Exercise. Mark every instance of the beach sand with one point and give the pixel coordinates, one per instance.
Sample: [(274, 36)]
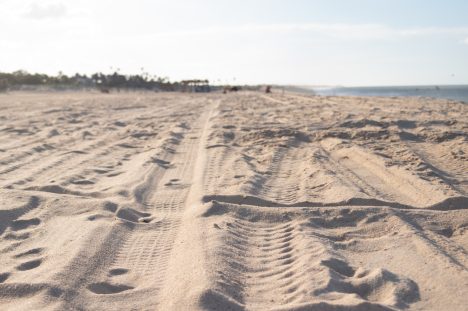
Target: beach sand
[(247, 201)]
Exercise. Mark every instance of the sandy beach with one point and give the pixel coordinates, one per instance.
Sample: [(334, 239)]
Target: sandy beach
[(245, 201)]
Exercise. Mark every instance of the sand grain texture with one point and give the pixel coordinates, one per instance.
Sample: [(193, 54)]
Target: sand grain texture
[(140, 201)]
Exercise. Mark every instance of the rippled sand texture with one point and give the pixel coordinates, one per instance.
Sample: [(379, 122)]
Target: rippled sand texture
[(141, 201)]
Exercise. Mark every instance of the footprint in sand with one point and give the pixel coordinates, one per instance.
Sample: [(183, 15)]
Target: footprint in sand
[(29, 265), (23, 224), (82, 182), (33, 251), (4, 277), (117, 271), (104, 288), (16, 236), (132, 215)]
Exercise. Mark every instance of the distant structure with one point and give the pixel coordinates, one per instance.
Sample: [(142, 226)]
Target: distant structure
[(195, 86), (234, 88), (268, 89), (3, 85)]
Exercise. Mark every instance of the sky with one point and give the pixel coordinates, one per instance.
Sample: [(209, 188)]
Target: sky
[(314, 42)]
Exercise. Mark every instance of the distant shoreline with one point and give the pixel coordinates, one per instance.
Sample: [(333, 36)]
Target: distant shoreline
[(452, 92)]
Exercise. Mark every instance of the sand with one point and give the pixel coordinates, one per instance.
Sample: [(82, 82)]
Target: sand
[(247, 201)]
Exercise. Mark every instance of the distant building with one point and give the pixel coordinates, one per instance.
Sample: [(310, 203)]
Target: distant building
[(195, 86)]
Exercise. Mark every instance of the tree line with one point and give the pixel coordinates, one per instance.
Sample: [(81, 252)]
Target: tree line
[(105, 82)]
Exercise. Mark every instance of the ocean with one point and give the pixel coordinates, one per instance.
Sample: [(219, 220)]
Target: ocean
[(455, 92)]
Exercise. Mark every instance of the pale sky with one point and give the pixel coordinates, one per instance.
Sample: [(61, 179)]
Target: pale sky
[(315, 42)]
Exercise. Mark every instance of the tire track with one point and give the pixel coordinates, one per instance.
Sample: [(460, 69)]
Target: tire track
[(381, 182), (144, 256), (269, 260)]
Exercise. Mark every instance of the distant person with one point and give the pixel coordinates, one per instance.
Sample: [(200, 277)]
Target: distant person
[(268, 89)]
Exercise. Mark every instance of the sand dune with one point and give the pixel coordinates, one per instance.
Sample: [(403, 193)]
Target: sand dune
[(139, 201)]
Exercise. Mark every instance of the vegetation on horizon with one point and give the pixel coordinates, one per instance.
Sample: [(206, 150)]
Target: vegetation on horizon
[(22, 79)]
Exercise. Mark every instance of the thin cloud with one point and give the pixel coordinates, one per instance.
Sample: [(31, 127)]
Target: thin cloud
[(428, 31), (49, 11), (345, 31)]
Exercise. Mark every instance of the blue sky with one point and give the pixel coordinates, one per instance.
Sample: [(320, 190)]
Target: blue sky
[(332, 42)]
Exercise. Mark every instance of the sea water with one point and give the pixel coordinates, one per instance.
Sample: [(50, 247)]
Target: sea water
[(455, 92)]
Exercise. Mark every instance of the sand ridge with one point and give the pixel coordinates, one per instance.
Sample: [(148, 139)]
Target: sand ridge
[(232, 202)]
